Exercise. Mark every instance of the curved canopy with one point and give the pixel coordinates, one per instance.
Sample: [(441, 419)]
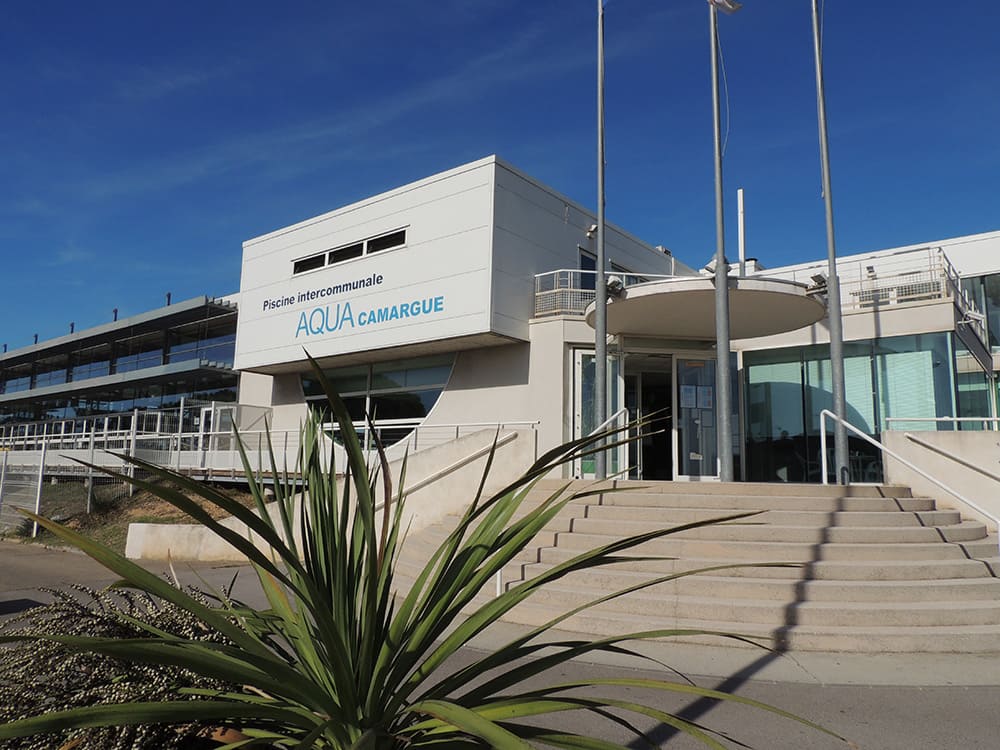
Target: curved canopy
[(684, 308)]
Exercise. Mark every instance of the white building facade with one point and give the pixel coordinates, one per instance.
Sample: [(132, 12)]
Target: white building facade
[(459, 300)]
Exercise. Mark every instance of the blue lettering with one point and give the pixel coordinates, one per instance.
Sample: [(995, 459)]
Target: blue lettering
[(347, 316), (335, 320), (302, 325), (316, 325), (439, 303)]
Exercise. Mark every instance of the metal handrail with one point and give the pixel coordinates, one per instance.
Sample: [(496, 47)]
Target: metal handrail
[(962, 498)]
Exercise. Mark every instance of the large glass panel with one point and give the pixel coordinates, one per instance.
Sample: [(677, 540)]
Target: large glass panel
[(412, 373), (973, 388), (697, 446), (775, 425), (585, 423), (139, 353), (914, 379), (344, 380), (991, 293)]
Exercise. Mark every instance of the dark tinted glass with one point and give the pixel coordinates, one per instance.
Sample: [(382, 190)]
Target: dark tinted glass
[(387, 241), (309, 264)]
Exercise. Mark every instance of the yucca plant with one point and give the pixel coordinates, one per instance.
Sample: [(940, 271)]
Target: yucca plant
[(343, 659)]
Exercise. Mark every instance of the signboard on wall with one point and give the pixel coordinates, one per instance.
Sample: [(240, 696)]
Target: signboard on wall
[(405, 296)]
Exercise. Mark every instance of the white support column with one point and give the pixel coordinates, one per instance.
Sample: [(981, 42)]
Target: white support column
[(90, 471), (3, 476), (38, 490), (131, 450)]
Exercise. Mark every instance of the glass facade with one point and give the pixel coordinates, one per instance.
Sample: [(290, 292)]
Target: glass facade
[(404, 389), (919, 376), (985, 291), (206, 334)]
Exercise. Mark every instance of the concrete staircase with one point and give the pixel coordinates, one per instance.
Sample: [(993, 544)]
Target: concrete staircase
[(874, 569)]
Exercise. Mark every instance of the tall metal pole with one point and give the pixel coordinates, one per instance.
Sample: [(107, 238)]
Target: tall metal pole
[(600, 283), (723, 405), (833, 281), (742, 232)]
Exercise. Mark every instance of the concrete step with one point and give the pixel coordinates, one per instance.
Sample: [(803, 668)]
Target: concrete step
[(819, 519), (741, 503), (753, 531), (741, 489), (980, 549), (653, 603), (786, 590), (845, 570), (676, 546), (904, 639)]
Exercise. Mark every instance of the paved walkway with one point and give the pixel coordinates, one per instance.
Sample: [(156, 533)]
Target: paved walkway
[(881, 702)]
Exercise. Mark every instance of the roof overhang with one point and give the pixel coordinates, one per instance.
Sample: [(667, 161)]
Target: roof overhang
[(684, 308)]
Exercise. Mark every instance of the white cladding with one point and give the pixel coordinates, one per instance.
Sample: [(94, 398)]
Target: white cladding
[(475, 238), (435, 286)]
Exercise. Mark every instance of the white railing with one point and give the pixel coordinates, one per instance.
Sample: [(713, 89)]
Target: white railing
[(217, 451), (878, 281), (569, 291), (872, 441)]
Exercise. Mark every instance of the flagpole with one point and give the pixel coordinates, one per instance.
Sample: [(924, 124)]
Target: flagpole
[(840, 445), (600, 283), (723, 381)]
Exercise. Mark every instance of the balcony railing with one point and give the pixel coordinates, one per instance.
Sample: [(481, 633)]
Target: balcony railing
[(569, 291)]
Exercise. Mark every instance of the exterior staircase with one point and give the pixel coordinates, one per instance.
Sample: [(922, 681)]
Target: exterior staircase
[(873, 569)]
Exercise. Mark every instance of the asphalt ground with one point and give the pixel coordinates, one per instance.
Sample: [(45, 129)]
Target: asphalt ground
[(879, 702)]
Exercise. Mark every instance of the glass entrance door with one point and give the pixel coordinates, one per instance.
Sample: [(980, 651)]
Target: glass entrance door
[(583, 410), (649, 398), (695, 424)]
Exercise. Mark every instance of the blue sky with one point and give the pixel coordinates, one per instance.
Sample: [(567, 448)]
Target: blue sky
[(142, 143)]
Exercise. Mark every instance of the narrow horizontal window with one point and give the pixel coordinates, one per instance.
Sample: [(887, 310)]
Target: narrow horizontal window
[(309, 264), (387, 241), (347, 253)]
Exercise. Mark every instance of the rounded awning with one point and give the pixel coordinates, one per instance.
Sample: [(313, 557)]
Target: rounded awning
[(684, 308)]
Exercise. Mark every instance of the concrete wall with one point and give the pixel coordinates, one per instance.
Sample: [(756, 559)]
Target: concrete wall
[(451, 492), (974, 255), (537, 230), (447, 219), (980, 449), (896, 320)]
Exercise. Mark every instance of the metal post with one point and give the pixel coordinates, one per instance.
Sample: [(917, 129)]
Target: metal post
[(600, 283), (3, 476), (131, 452), (180, 434), (742, 233), (723, 404), (38, 491), (833, 280), (90, 470)]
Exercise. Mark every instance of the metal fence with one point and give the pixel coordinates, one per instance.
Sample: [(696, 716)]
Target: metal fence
[(45, 484)]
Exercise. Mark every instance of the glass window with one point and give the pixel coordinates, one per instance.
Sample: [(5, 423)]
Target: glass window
[(991, 294), (309, 264), (412, 373), (347, 253), (399, 389), (914, 379), (387, 241)]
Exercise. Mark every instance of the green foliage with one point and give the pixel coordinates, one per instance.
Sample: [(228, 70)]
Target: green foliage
[(340, 658)]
